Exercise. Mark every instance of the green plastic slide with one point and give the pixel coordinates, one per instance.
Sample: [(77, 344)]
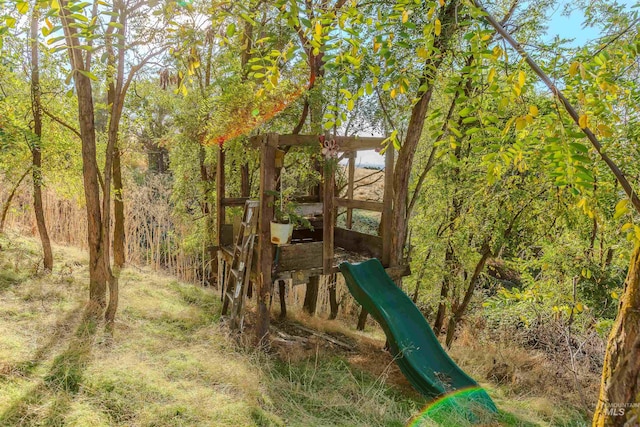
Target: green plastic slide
[(415, 347)]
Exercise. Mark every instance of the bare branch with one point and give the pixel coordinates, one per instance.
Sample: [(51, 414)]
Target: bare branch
[(61, 122)]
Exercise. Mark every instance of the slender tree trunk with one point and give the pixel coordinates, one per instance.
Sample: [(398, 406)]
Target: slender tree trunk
[(620, 386), (36, 152), (449, 257), (458, 311), (98, 271), (333, 298), (283, 300), (362, 319), (119, 257), (7, 203), (423, 269), (414, 132), (311, 295)]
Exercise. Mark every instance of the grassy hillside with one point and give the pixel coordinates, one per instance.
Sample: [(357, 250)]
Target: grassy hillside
[(172, 363)]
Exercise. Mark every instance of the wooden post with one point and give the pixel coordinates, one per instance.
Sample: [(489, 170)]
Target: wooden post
[(220, 214), (311, 295), (265, 248), (328, 219), (387, 210), (351, 178)]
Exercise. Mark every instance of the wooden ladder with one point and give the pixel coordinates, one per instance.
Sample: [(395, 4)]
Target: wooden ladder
[(237, 280)]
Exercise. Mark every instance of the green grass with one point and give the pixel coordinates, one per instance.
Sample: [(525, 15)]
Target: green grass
[(171, 363)]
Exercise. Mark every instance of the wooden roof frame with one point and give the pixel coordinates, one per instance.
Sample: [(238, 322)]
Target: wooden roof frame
[(345, 143)]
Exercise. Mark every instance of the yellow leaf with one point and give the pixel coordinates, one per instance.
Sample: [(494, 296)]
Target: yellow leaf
[(579, 307), (583, 72), (23, 7), (621, 208), (573, 69), (438, 27), (533, 110), (614, 295), (626, 227), (497, 52), (441, 2), (604, 130), (521, 122), (517, 89), (376, 47), (430, 13), (350, 105), (393, 93), (522, 77), (48, 23), (55, 5), (492, 74), (318, 29), (405, 16), (583, 121)]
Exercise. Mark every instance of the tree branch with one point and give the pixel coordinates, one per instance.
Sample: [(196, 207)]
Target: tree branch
[(61, 122)]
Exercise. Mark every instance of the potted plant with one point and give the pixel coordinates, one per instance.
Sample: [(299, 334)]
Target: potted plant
[(286, 217)]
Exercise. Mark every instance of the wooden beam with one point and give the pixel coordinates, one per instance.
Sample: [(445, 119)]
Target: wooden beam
[(345, 143), (265, 248), (350, 185), (387, 201), (328, 217), (310, 209), (367, 205), (354, 241), (300, 256), (234, 201), (220, 217)]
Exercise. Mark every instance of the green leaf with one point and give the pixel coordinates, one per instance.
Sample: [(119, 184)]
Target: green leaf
[(231, 29), (88, 74), (579, 147)]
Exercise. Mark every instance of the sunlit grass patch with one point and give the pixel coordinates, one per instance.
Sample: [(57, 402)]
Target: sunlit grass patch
[(329, 392)]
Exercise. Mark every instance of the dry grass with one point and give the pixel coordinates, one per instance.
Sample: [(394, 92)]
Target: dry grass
[(171, 362), (168, 363)]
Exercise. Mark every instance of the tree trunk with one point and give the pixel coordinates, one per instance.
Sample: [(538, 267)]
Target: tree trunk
[(283, 299), (414, 132), (444, 291), (245, 189), (36, 152), (620, 387), (458, 311), (7, 203), (333, 298), (311, 296), (118, 213), (98, 272), (362, 319)]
